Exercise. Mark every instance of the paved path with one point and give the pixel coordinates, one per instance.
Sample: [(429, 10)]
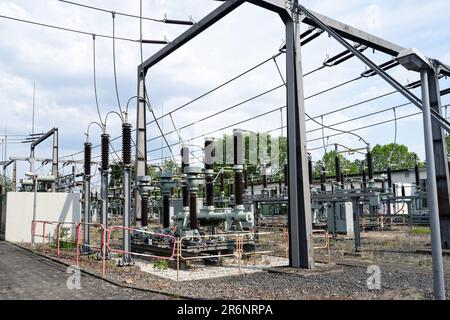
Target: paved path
[(25, 276)]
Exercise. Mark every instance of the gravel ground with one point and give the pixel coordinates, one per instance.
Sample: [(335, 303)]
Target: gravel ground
[(347, 282), (404, 275)]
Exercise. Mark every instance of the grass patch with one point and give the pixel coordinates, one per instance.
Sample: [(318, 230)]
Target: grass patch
[(418, 231)]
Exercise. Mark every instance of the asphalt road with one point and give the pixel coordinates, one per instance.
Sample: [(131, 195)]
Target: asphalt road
[(25, 276)]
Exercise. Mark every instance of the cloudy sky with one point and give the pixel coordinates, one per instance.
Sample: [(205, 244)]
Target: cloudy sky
[(61, 65)]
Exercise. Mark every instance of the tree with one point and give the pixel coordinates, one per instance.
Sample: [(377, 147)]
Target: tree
[(5, 181), (328, 161), (395, 156)]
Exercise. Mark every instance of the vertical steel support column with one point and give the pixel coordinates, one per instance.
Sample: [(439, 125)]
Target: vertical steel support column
[(440, 161), (32, 159), (55, 158), (300, 226), (35, 186), (126, 149), (141, 144), (389, 177), (14, 179), (432, 194), (356, 226)]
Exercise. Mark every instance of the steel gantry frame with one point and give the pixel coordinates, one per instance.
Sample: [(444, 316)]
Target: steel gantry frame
[(53, 132), (292, 14)]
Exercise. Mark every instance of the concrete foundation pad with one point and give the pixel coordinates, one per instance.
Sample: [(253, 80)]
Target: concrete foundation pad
[(199, 271)]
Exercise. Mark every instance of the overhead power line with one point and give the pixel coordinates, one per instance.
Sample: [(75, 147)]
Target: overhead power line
[(164, 20), (80, 31)]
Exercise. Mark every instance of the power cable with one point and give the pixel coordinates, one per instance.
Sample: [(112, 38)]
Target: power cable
[(363, 116), (220, 86), (95, 80), (223, 110), (67, 29), (165, 20), (114, 60)]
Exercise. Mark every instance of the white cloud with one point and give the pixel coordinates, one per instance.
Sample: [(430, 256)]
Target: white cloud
[(61, 65)]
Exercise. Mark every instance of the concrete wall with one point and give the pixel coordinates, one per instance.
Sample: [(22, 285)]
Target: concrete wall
[(61, 207)]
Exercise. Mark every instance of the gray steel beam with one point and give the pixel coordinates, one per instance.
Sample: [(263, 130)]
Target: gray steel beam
[(432, 192), (445, 124), (440, 160), (356, 35), (191, 33), (43, 138), (141, 145), (301, 253), (55, 157), (344, 30), (279, 6)]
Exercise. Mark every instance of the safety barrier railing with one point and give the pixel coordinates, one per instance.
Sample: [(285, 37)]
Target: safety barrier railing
[(34, 223), (238, 239), (108, 247), (58, 235), (326, 244), (100, 248)]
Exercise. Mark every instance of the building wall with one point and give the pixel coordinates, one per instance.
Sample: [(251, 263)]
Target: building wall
[(61, 207)]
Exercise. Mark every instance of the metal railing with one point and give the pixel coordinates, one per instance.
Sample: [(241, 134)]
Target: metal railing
[(34, 223)]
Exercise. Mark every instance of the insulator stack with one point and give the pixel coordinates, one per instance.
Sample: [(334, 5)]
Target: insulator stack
[(370, 164), (193, 210), (389, 177), (144, 204), (126, 144), (87, 158), (342, 180), (105, 152), (239, 189), (166, 211), (337, 162), (185, 164), (239, 166), (222, 182), (209, 154), (323, 180), (364, 179), (417, 172)]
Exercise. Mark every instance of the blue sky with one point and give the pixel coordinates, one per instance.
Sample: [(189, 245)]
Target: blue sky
[(61, 65)]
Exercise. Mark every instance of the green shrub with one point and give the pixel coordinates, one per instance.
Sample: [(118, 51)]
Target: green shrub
[(161, 265)]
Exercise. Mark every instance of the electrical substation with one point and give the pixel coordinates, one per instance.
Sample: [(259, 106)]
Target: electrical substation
[(246, 204)]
